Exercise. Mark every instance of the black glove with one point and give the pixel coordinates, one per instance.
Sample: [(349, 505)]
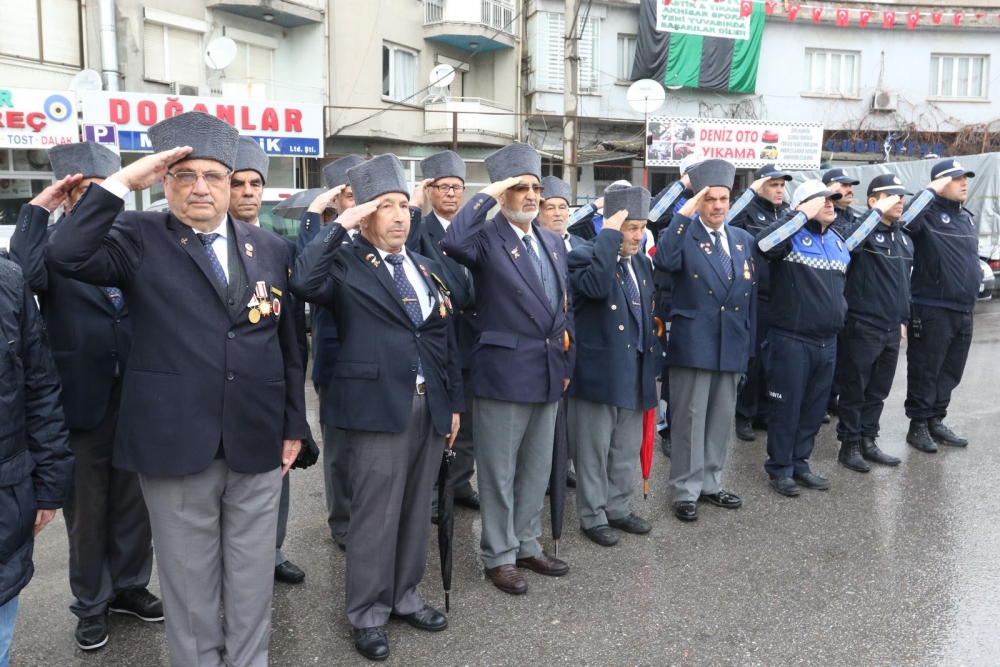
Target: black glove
[(308, 454)]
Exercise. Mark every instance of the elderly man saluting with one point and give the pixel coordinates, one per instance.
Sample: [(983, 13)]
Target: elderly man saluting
[(213, 406)]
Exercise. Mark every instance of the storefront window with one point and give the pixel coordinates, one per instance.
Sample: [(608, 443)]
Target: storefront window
[(23, 174)]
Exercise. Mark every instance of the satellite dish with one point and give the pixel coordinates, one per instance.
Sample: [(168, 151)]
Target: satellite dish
[(87, 79), (646, 95), (221, 53), (442, 76)]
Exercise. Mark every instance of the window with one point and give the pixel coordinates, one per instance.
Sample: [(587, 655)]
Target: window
[(44, 30), (252, 65), (172, 54), (399, 73), (547, 54), (958, 76), (626, 56), (832, 72)]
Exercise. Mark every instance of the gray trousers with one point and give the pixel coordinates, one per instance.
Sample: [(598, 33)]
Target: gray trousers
[(336, 479), (464, 464), (286, 492), (212, 532), (608, 440), (110, 541), (392, 475), (702, 406), (514, 457)]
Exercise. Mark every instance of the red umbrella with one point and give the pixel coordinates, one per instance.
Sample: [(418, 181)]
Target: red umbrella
[(646, 453)]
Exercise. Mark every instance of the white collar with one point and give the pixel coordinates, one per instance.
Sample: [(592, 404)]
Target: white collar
[(385, 253), (721, 230), (223, 229)]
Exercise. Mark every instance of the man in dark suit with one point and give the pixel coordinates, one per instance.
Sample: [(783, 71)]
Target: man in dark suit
[(326, 348), (246, 192), (398, 397), (213, 409), (444, 183), (111, 545), (614, 381), (521, 363), (711, 335)]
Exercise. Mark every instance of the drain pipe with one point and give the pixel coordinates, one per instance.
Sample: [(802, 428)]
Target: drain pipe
[(109, 45)]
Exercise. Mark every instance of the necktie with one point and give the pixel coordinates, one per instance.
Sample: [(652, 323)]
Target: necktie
[(530, 247), (634, 300), (207, 240), (410, 301), (727, 261), (115, 295), (544, 272)]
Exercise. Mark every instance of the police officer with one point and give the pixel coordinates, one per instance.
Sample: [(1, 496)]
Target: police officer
[(943, 290), (766, 207), (878, 307), (809, 262)]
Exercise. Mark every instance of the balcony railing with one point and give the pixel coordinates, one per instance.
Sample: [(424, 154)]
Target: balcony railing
[(499, 16), (495, 14), (475, 115)]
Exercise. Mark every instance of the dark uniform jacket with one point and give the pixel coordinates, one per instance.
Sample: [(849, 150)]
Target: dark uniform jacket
[(845, 221), (326, 344), (758, 215), (878, 279)]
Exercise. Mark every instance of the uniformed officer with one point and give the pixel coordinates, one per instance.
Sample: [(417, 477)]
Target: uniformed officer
[(213, 408), (766, 207), (398, 394), (110, 541), (711, 335), (553, 214), (246, 192), (444, 183), (326, 349), (586, 221), (522, 361), (878, 307), (943, 290), (614, 380), (809, 262)]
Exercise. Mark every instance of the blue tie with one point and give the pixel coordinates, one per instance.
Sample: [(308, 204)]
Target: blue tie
[(207, 240), (410, 301), (727, 262), (115, 295), (635, 301)]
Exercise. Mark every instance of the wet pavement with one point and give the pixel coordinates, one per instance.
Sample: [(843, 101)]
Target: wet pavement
[(895, 567)]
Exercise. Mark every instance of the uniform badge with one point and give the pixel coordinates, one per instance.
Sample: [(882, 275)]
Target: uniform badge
[(249, 249), (879, 238), (276, 291), (739, 247), (516, 253), (746, 270), (260, 290), (275, 308), (807, 240), (555, 255), (265, 308), (945, 218), (371, 258), (254, 316), (423, 270), (184, 241), (760, 216)]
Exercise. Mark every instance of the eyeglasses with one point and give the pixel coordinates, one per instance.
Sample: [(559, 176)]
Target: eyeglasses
[(522, 188), (212, 178), (445, 189)]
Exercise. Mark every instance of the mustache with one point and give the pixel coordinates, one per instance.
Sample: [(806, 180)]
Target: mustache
[(199, 199)]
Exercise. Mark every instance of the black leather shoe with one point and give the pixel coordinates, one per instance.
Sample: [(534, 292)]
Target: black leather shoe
[(919, 437), (786, 486), (570, 479), (850, 457), (340, 539), (601, 535), (434, 514), (871, 452), (92, 632), (826, 418), (759, 424), (631, 524), (428, 618), (371, 643), (940, 432), (289, 573), (744, 429), (686, 510), (722, 499), (472, 502), (665, 443), (138, 602), (813, 481)]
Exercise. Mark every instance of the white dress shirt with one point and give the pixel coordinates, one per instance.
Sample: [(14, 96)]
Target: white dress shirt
[(722, 231), (445, 222), (566, 242), (531, 232), (424, 297)]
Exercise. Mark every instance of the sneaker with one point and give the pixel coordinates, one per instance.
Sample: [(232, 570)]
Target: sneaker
[(92, 632), (138, 602)]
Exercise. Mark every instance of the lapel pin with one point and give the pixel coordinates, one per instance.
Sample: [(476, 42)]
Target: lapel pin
[(516, 253), (184, 241), (739, 247)]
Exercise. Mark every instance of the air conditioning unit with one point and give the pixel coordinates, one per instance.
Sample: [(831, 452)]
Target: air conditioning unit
[(885, 101), (184, 89)]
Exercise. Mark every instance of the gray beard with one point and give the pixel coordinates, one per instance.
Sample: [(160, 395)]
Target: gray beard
[(518, 218)]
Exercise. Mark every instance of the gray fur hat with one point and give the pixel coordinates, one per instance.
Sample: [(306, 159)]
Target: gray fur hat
[(556, 188), (378, 176), (88, 158), (517, 159), (712, 174), (335, 173), (209, 137), (443, 165), (635, 200), (250, 156)]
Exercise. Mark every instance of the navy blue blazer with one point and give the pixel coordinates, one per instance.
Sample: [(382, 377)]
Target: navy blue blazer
[(426, 237), (606, 354), (196, 376), (90, 340), (519, 354), (712, 318), (326, 344), (375, 375)]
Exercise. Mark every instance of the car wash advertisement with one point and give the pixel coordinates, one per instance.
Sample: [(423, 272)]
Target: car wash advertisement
[(745, 143)]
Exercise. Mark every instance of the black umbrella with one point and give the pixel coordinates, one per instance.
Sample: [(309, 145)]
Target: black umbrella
[(557, 478), (293, 207), (446, 523)]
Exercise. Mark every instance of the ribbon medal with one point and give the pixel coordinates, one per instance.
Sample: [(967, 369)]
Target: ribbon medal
[(746, 270)]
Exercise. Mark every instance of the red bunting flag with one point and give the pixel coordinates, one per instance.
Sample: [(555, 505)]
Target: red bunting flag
[(888, 19), (793, 11), (843, 18), (769, 7), (936, 18), (956, 18), (746, 8), (865, 15), (817, 12), (911, 20), (979, 16)]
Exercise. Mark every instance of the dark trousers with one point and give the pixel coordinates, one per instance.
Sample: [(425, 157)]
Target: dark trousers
[(663, 311), (464, 464), (836, 387), (799, 375), (110, 541), (751, 402), (337, 484), (867, 364), (936, 360)]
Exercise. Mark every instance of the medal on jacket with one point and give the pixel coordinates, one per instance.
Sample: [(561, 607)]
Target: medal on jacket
[(746, 270), (275, 308), (265, 308), (254, 316), (249, 249)]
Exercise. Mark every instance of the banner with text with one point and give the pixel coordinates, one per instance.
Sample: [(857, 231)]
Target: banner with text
[(745, 143), (37, 119), (711, 19)]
